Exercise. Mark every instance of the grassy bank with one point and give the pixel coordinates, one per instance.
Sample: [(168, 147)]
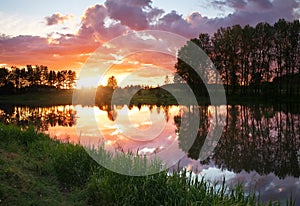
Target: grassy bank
[(36, 170)]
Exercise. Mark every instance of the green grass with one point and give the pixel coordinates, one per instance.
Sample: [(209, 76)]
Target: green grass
[(36, 170)]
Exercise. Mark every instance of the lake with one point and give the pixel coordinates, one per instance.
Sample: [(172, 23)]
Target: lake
[(259, 146)]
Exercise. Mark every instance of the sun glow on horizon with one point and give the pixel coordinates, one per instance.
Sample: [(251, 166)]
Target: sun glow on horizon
[(87, 82), (125, 79)]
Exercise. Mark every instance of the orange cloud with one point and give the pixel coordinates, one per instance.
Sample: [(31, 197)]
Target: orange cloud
[(56, 19)]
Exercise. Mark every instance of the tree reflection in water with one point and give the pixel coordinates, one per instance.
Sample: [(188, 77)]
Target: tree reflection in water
[(185, 133), (41, 118), (265, 139), (111, 111), (260, 138)]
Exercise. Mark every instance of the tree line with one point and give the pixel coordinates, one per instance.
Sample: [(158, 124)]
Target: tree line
[(32, 77), (259, 60)]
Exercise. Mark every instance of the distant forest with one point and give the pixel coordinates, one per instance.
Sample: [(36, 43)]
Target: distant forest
[(264, 59), (34, 78)]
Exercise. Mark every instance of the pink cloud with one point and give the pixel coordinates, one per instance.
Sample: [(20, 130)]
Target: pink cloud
[(56, 19), (63, 54)]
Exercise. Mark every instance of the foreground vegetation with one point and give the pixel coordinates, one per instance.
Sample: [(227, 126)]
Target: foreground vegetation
[(36, 170)]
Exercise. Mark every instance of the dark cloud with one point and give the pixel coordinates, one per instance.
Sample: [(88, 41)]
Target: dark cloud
[(237, 4), (246, 12), (218, 5), (129, 12), (258, 11), (104, 22), (56, 19), (154, 14), (138, 3), (173, 22), (262, 4), (93, 25), (135, 14), (243, 4), (190, 27)]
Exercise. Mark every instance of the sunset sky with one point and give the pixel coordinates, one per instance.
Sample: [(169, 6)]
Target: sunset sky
[(63, 34)]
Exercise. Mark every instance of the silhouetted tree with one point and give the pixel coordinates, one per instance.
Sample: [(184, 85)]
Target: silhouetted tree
[(71, 78), (52, 78), (37, 76), (112, 82), (247, 58), (3, 76), (30, 75), (188, 64), (167, 80)]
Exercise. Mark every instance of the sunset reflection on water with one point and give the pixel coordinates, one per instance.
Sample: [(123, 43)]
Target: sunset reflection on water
[(116, 135)]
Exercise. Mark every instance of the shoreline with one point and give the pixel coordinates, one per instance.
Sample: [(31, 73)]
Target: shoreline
[(65, 97)]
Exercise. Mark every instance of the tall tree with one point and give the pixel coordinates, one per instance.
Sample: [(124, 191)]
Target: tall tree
[(221, 58), (30, 75), (189, 64), (37, 75), (167, 80), (247, 47), (51, 78), (261, 55), (71, 77), (112, 82), (23, 74), (294, 37), (15, 76), (61, 79), (281, 34), (3, 76), (44, 75)]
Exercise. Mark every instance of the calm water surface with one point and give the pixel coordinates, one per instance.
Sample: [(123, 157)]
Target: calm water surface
[(259, 147)]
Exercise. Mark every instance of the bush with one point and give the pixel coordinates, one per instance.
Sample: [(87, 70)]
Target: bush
[(23, 136), (72, 165)]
